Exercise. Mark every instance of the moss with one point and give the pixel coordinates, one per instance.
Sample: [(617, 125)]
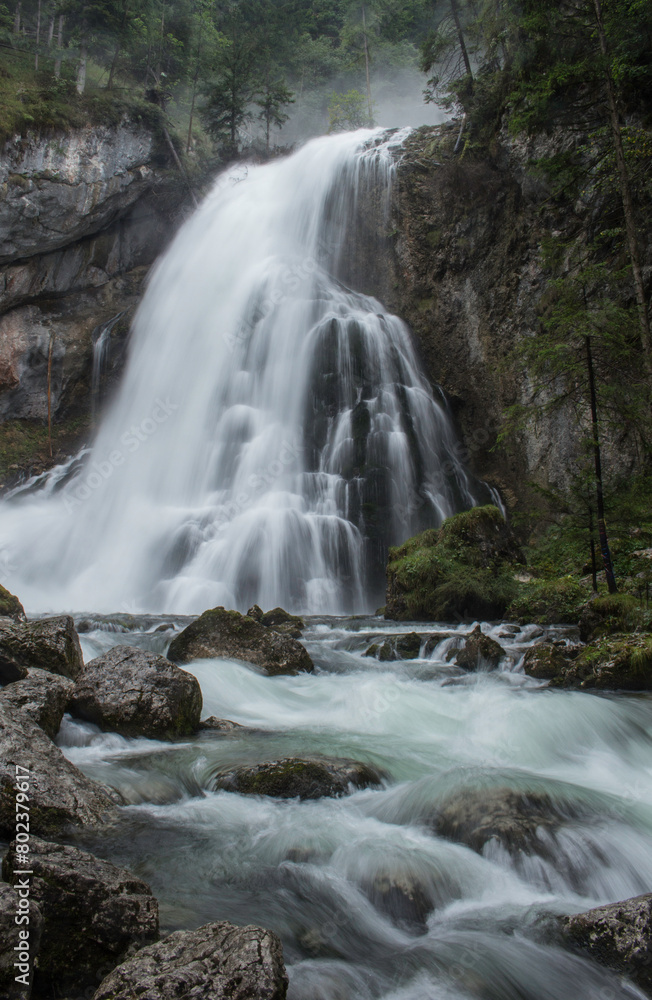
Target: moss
[(622, 662), (10, 606), (549, 602), (24, 445)]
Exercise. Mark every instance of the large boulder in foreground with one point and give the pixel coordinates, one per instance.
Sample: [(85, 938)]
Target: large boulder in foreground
[(463, 570), (215, 962), (59, 794), (303, 778), (618, 935), (94, 914), (42, 697), (230, 635), (48, 643), (137, 693), (10, 606), (12, 936)]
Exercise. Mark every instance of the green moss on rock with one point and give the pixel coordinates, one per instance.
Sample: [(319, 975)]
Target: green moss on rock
[(10, 606)]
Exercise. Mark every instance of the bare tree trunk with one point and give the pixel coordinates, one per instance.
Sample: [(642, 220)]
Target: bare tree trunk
[(19, 7), (114, 61), (460, 34), (57, 61), (38, 33), (81, 72), (366, 61), (602, 527), (50, 30), (50, 393), (180, 167), (626, 195), (160, 48)]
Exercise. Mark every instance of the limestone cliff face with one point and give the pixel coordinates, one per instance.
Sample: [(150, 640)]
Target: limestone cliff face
[(82, 217)]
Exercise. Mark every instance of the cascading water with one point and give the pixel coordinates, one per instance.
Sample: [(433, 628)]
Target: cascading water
[(273, 432)]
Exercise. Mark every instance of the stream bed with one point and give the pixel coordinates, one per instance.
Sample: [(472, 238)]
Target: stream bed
[(368, 899)]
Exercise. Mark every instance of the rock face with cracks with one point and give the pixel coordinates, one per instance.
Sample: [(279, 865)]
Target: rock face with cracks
[(10, 989), (137, 693), (41, 697), (618, 935), (94, 914), (48, 643), (216, 961), (230, 635)]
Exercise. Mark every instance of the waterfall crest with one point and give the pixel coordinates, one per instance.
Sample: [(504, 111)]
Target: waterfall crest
[(273, 431)]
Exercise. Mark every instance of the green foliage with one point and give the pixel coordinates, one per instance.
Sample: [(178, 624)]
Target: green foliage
[(549, 602), (347, 112)]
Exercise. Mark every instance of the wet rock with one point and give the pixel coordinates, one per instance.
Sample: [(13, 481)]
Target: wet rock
[(500, 815), (48, 643), (137, 693), (304, 778), (228, 634), (214, 725), (402, 898), (11, 936), (618, 935), (10, 606), (479, 652), (215, 962), (41, 696), (617, 663), (279, 620), (396, 647), (544, 662), (94, 914), (59, 794)]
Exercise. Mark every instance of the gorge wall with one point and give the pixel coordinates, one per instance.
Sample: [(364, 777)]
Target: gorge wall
[(82, 217)]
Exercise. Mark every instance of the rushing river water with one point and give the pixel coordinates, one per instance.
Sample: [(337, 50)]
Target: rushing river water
[(314, 871)]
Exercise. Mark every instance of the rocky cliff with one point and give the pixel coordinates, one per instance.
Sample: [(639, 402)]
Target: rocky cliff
[(82, 217)]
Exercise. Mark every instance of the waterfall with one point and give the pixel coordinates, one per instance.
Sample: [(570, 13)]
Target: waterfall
[(273, 431)]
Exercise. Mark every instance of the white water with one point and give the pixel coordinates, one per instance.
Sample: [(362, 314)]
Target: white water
[(273, 432), (307, 869)]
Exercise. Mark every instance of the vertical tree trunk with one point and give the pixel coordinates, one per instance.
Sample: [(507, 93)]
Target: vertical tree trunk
[(17, 13), (160, 48), (602, 527), (57, 61), (626, 195), (366, 61), (50, 30), (460, 34), (114, 62), (81, 71), (38, 33)]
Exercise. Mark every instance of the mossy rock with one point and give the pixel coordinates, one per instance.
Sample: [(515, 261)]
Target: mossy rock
[(397, 647), (544, 662), (612, 614), (48, 643), (462, 570), (278, 619), (223, 634), (10, 606), (549, 602), (293, 777), (617, 663), (479, 651)]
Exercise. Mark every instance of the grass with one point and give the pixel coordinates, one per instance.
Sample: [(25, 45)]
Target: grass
[(24, 445)]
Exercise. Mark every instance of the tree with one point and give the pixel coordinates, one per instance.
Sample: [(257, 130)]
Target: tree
[(272, 98), (347, 112), (446, 51)]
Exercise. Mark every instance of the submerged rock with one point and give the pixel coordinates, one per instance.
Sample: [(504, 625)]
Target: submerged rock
[(94, 914), (10, 606), (11, 936), (304, 778), (479, 651), (41, 696), (50, 644), (618, 935), (59, 794), (215, 962), (507, 817), (230, 635), (137, 693), (402, 898), (214, 725)]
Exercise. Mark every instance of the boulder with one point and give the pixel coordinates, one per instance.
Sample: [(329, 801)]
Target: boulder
[(214, 725), (41, 696), (507, 817), (94, 914), (59, 794), (230, 635), (402, 898), (405, 646), (619, 935), (137, 693), (279, 620), (215, 962), (479, 652), (50, 644), (617, 663), (10, 606), (28, 933), (304, 778), (544, 662)]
